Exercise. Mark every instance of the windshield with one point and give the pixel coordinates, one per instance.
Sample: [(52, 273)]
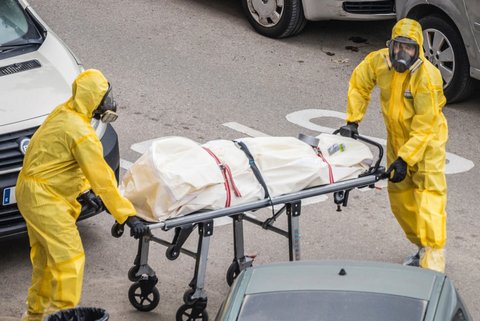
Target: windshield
[(330, 306), (16, 27)]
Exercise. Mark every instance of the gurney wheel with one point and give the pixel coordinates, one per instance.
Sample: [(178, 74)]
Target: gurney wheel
[(185, 313), (132, 273), (232, 272), (141, 300), (117, 230), (171, 253)]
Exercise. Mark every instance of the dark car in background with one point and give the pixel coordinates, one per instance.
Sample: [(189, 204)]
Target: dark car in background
[(36, 74), (341, 291), (451, 31)]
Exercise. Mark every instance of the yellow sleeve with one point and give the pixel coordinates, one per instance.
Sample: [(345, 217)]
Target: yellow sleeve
[(88, 152), (428, 101), (362, 82)]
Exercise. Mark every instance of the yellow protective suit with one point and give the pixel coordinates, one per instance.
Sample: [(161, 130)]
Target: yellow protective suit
[(64, 158), (417, 132)]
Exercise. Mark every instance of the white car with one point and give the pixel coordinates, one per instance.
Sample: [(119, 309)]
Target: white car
[(284, 18), (36, 74)]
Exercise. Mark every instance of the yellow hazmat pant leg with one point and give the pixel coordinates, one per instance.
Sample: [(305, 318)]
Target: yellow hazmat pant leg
[(67, 285), (431, 218), (419, 204), (431, 199), (38, 298), (67, 273), (433, 259), (53, 226), (55, 285), (403, 205)]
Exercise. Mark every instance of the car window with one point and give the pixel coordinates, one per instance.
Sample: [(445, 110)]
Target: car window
[(16, 27), (330, 306)]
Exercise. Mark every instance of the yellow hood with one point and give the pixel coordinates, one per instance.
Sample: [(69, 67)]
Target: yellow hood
[(410, 29), (88, 90)]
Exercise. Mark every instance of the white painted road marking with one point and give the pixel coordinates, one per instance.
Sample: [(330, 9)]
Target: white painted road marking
[(245, 130)]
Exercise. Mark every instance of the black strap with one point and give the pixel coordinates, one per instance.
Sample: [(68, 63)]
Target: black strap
[(253, 166)]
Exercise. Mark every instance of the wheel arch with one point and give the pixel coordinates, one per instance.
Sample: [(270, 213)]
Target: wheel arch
[(422, 10)]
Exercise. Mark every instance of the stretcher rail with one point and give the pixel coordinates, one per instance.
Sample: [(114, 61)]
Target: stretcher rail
[(194, 218)]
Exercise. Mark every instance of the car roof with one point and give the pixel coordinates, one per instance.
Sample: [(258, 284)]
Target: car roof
[(374, 277)]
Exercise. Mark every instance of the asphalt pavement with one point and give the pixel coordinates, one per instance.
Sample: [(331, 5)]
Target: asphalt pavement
[(196, 68)]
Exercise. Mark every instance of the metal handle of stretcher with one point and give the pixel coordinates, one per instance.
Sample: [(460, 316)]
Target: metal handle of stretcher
[(368, 178)]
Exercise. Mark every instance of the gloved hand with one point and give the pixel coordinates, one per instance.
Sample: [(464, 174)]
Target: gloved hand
[(399, 167), (349, 130), (137, 228), (90, 200)]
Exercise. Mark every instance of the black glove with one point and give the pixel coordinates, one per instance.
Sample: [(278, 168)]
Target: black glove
[(91, 201), (399, 167), (137, 228), (349, 130)]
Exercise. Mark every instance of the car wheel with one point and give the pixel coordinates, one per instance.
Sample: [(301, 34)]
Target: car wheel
[(275, 18), (444, 48)]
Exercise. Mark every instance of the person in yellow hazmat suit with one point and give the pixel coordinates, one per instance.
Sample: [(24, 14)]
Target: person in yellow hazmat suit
[(63, 160), (411, 95)]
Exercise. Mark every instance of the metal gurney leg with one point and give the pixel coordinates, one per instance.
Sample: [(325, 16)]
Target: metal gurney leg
[(293, 213), (143, 294), (241, 261), (195, 298)]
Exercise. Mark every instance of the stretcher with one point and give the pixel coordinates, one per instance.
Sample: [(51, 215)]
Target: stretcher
[(143, 293)]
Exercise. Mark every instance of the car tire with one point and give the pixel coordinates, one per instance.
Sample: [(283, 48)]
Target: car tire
[(439, 35), (273, 20)]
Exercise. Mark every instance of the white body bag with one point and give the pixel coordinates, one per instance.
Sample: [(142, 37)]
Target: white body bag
[(178, 176)]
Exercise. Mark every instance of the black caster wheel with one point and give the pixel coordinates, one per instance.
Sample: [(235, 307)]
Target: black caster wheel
[(132, 273), (171, 253), (232, 272), (141, 300), (117, 230), (187, 297), (186, 313)]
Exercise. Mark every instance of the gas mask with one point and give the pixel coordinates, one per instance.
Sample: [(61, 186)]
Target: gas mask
[(107, 109), (403, 53)]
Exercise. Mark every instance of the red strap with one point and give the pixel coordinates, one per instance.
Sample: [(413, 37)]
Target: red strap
[(330, 171), (232, 182), (227, 178)]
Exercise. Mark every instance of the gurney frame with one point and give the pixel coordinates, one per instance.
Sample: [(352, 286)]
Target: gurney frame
[(143, 293)]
